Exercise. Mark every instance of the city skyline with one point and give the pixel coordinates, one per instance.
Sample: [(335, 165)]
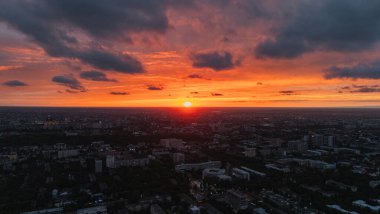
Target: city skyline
[(163, 53)]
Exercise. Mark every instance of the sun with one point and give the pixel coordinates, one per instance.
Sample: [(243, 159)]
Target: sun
[(187, 104)]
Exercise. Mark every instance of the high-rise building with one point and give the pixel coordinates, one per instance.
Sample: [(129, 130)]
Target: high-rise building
[(98, 166), (330, 141), (317, 140), (110, 161)]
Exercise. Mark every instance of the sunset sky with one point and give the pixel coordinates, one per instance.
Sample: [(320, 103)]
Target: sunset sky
[(128, 53)]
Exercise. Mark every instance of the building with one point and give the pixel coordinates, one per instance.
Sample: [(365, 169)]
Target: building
[(98, 166), (284, 169), (132, 162), (317, 140), (110, 161), (236, 200), (58, 210), (330, 141), (297, 146), (212, 172), (60, 146), (341, 186), (194, 210), (93, 210), (339, 209), (197, 166), (316, 164), (253, 172), (364, 206), (374, 183), (241, 174), (67, 153)]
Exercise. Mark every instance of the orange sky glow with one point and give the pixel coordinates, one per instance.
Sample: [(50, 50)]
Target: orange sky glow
[(243, 54)]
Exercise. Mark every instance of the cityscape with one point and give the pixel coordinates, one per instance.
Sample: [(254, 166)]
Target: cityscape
[(189, 107), (189, 160)]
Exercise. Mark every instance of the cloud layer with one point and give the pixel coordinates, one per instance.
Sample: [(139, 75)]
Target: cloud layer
[(339, 25), (189, 49), (154, 87), (119, 93), (56, 26), (96, 76), (364, 71), (214, 60), (70, 82), (14, 83)]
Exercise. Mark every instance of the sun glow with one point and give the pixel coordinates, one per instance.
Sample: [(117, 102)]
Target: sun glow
[(187, 104)]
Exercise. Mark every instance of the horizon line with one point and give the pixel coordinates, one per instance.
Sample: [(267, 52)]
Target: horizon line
[(195, 107)]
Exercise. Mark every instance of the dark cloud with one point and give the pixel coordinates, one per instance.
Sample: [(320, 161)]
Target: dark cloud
[(194, 92), (195, 76), (111, 19), (363, 71), (365, 88), (259, 83), (109, 61), (287, 92), (216, 94), (214, 60), (14, 83), (71, 91), (69, 81), (119, 93), (96, 76), (55, 25), (339, 25), (154, 88)]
